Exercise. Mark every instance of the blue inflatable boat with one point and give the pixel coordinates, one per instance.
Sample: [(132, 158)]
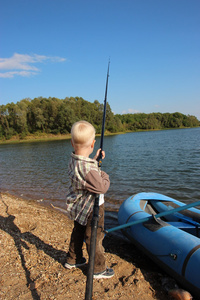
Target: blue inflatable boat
[(172, 241)]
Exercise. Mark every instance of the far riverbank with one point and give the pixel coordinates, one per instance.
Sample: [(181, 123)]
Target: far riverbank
[(45, 137)]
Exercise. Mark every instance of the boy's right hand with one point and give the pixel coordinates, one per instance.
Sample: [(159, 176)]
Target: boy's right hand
[(100, 154)]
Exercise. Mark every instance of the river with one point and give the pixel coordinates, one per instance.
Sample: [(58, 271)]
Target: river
[(166, 162)]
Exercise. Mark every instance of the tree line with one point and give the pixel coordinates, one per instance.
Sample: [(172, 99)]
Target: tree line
[(56, 116)]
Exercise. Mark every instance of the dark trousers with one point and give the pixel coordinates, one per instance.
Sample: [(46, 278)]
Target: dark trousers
[(80, 233)]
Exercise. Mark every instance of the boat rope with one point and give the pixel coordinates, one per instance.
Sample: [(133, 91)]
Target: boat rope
[(133, 215), (188, 258)]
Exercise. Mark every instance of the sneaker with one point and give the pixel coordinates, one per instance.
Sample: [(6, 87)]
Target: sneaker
[(108, 273), (81, 263)]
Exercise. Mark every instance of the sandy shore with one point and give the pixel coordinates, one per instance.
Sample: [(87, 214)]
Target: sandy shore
[(34, 241)]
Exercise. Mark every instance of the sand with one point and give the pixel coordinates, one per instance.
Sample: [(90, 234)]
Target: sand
[(34, 242)]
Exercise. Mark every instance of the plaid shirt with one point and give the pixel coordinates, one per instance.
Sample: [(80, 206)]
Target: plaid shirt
[(86, 181)]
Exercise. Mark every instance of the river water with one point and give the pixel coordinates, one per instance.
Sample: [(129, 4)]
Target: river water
[(166, 162)]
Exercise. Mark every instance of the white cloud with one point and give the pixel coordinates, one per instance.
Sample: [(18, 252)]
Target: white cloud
[(23, 64), (19, 73), (130, 111)]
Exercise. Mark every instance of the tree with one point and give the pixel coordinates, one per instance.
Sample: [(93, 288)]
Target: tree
[(53, 115)]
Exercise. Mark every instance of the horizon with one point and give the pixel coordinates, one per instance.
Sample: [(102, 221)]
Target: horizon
[(123, 113)]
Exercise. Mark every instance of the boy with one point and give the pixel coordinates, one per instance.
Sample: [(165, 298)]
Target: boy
[(86, 181)]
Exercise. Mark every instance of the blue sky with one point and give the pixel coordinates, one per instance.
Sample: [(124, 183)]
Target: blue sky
[(61, 48)]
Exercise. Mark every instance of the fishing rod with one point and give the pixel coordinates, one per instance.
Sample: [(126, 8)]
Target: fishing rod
[(99, 158), (95, 217)]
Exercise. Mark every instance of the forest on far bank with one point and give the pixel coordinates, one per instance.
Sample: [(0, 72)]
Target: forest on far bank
[(56, 116)]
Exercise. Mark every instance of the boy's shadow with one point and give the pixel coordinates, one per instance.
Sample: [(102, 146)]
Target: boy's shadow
[(7, 224)]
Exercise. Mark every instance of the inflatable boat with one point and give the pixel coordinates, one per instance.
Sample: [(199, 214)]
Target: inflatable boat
[(172, 241)]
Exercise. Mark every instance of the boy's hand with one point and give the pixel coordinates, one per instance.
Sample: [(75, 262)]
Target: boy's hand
[(98, 153)]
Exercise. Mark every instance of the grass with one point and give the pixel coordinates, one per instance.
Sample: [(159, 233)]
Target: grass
[(43, 137)]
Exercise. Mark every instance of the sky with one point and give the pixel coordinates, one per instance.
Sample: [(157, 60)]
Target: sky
[(61, 48)]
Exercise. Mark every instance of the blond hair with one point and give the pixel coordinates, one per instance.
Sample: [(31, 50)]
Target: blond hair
[(83, 133)]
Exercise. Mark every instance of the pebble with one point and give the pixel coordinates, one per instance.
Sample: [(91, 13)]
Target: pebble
[(180, 294)]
